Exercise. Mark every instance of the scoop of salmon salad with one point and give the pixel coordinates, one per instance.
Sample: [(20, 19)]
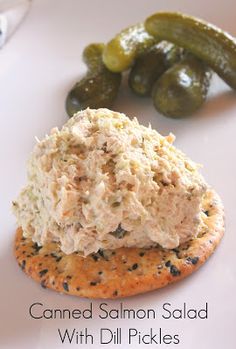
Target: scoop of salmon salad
[(104, 181)]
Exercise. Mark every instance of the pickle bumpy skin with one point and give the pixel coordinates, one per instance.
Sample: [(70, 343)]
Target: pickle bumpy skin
[(99, 87), (209, 43), (120, 53)]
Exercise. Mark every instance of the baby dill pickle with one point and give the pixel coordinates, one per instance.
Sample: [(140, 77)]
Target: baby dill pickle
[(151, 64), (120, 53), (183, 88), (209, 43), (99, 87)]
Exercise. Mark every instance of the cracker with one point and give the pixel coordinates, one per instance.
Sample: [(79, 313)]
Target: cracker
[(125, 271)]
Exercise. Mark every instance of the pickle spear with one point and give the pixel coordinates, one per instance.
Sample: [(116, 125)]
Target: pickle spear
[(120, 53), (98, 88), (183, 88), (209, 43)]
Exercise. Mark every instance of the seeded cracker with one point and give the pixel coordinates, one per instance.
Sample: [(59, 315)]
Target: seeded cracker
[(122, 272)]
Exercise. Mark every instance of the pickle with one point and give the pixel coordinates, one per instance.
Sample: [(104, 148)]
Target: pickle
[(183, 88), (209, 43), (99, 87), (92, 56), (150, 65), (120, 53)]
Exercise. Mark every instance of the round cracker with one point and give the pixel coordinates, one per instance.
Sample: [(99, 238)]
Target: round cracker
[(125, 271)]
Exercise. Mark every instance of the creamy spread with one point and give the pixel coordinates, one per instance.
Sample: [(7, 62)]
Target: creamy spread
[(104, 181)]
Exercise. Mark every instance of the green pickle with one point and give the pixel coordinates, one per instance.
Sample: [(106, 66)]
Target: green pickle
[(183, 88), (120, 53), (99, 87), (150, 65), (92, 55), (207, 42)]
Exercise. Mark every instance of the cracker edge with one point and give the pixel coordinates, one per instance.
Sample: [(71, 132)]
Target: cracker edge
[(132, 285)]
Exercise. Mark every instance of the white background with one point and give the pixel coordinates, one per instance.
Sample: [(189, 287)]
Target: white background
[(37, 68)]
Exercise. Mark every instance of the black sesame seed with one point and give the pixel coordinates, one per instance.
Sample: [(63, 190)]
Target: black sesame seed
[(43, 272), (195, 260), (95, 257), (77, 288), (23, 264), (69, 277), (58, 259), (174, 271), (100, 272), (65, 286), (142, 254), (206, 213), (192, 260), (36, 247), (135, 266), (28, 256), (168, 264), (93, 283), (115, 293), (113, 253)]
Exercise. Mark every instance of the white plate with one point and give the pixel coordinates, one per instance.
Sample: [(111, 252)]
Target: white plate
[(37, 67)]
